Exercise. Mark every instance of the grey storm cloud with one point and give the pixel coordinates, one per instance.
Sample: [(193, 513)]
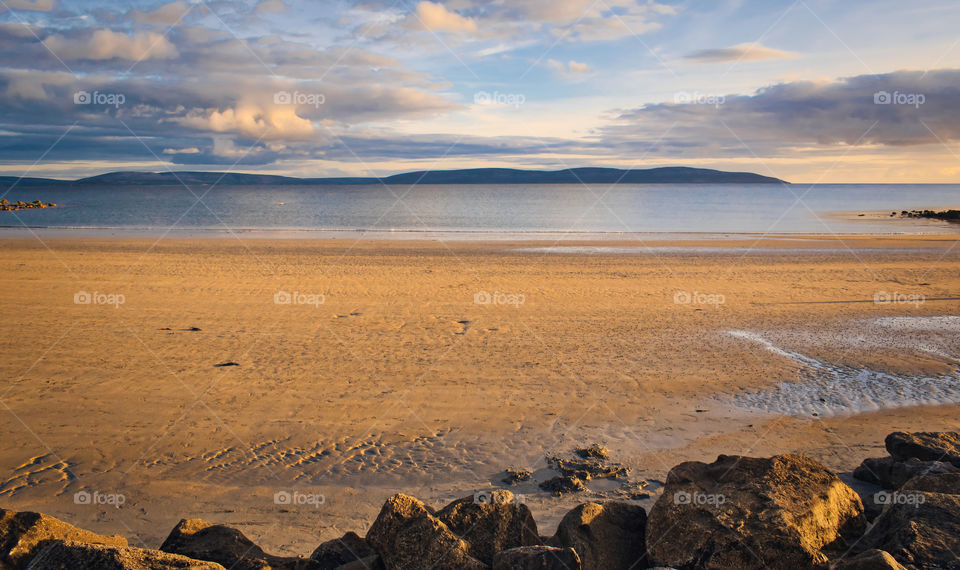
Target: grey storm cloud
[(896, 109)]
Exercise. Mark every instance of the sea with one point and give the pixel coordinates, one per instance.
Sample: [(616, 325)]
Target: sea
[(480, 211)]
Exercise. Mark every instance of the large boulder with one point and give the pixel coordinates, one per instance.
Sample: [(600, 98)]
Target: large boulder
[(605, 535), (23, 534), (921, 530), (925, 446), (745, 512), (407, 534), (892, 473), (490, 522), (201, 540), (870, 560), (339, 551), (947, 483), (537, 558), (74, 555)]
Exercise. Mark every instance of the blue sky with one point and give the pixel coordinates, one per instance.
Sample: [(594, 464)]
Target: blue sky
[(793, 89)]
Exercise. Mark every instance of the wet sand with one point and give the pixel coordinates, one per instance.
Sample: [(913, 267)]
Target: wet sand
[(429, 367)]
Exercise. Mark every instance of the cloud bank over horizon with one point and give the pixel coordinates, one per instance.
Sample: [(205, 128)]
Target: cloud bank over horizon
[(369, 87)]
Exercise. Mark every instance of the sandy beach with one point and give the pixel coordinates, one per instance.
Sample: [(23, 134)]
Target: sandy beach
[(366, 368)]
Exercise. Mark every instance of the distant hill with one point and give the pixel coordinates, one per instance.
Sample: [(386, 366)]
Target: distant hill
[(663, 175), (8, 181)]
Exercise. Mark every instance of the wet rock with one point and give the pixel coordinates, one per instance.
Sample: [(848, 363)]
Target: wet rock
[(490, 522), (921, 530), (537, 558), (745, 512), (605, 535), (947, 483), (925, 446), (23, 534), (201, 540), (891, 473), (870, 560), (339, 551), (74, 555), (407, 534), (563, 484)]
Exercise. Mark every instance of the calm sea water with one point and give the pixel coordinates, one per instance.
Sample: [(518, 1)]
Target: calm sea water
[(311, 211)]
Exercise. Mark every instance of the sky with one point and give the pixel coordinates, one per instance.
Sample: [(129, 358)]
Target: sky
[(811, 91)]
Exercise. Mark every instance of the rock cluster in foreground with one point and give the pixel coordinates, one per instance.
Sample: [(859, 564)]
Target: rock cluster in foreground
[(786, 511), (6, 206)]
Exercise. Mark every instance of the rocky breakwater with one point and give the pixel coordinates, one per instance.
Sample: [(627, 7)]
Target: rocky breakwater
[(786, 511), (6, 206)]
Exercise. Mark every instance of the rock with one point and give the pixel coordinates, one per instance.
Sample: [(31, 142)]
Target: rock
[(607, 535), (23, 534), (947, 483), (891, 473), (563, 484), (339, 551), (925, 446), (490, 522), (369, 563), (920, 530), (870, 560), (74, 555), (517, 475), (406, 534), (537, 558), (744, 512), (595, 451), (199, 539), (587, 468)]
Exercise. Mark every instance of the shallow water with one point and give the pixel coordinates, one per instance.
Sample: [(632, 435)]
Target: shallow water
[(829, 389), (465, 210)]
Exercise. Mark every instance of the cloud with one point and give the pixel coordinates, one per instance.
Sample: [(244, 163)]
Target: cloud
[(106, 44), (437, 18), (899, 109), (570, 68), (32, 5), (252, 120), (164, 16), (740, 52), (271, 6)]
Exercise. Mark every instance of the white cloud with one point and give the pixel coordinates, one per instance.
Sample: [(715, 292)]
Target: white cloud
[(106, 44), (740, 52), (436, 17), (569, 68)]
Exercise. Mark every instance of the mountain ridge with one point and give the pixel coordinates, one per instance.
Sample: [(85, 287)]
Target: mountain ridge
[(585, 175)]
